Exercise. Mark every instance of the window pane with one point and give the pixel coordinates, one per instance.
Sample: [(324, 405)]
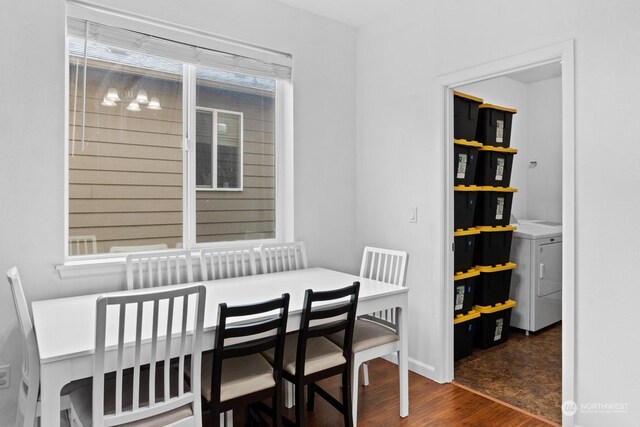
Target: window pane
[(125, 150), (241, 207), (229, 155), (204, 152)]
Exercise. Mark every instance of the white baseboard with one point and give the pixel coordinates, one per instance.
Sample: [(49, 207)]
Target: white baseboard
[(419, 368)]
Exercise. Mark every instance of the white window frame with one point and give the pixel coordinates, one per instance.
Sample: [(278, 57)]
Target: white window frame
[(215, 185), (89, 265)]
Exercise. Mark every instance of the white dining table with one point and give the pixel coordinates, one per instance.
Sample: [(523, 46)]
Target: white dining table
[(65, 327)]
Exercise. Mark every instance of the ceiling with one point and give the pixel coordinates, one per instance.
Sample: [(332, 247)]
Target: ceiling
[(355, 13), (542, 72)]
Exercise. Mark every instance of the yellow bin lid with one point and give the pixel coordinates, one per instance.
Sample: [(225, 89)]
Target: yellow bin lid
[(507, 150), (497, 107), (497, 189), (466, 274), (495, 268), (488, 309), (466, 188), (467, 143), (497, 228), (467, 96), (468, 232), (465, 317)]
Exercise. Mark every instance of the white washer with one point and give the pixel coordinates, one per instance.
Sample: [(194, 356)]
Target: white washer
[(536, 283)]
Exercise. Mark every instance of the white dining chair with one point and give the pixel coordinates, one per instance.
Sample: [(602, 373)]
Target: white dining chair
[(83, 245), (218, 263), (154, 393), (29, 388), (376, 334), (283, 257), (151, 269)]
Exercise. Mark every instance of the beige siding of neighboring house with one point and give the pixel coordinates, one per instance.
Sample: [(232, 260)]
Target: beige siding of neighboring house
[(125, 181)]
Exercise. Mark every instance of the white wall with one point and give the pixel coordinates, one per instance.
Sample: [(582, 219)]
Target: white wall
[(32, 155), (400, 164), (510, 93), (537, 134), (544, 146)]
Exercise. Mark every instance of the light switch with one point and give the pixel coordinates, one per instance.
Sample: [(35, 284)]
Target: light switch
[(413, 215)]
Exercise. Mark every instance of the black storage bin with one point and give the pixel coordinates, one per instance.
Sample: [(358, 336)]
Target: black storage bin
[(494, 205), (465, 158), (464, 243), (464, 330), (465, 115), (464, 285), (493, 326), (494, 166), (464, 206), (494, 125), (493, 285), (493, 245)]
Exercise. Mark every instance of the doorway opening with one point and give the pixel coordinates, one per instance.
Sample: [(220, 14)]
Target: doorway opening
[(537, 84)]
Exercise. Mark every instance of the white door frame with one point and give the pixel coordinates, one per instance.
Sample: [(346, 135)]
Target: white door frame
[(564, 54)]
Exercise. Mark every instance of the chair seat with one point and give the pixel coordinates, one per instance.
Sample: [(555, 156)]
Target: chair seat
[(367, 335), (82, 397), (240, 376), (321, 354)]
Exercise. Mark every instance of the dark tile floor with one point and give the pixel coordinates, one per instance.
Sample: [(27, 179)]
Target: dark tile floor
[(525, 372)]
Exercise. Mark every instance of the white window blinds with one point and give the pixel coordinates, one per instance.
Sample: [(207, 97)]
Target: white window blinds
[(250, 60)]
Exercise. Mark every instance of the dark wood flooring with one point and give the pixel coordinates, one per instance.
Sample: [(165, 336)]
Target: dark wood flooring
[(430, 404), (525, 372)]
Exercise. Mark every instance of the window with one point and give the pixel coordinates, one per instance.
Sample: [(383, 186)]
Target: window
[(169, 145), (219, 154)]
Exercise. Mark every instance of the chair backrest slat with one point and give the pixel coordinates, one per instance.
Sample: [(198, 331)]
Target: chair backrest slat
[(334, 305), (181, 310), (384, 265), (222, 263), (283, 257), (152, 269), (29, 386), (255, 336)]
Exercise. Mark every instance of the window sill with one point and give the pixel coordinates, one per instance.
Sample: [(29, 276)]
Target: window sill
[(92, 267)]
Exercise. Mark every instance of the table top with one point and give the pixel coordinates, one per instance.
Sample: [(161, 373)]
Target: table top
[(65, 327)]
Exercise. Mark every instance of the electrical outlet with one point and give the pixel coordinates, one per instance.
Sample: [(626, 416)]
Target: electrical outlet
[(5, 376)]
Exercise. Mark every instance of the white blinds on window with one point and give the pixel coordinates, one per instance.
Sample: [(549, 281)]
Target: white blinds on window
[(276, 66)]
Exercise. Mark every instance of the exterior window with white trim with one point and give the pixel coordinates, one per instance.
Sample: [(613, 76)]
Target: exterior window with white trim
[(169, 145), (219, 150)]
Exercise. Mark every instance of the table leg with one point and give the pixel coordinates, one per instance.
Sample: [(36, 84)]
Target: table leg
[(53, 377), (403, 360)]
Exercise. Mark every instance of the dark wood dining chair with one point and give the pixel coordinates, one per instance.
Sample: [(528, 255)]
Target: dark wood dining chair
[(309, 356), (235, 373)]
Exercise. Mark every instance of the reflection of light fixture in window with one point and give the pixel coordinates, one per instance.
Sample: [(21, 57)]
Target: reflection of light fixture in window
[(134, 97), (107, 102), (112, 95), (133, 106), (141, 98), (222, 128), (154, 104)]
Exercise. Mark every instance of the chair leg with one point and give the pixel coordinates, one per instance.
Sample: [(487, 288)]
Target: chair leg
[(311, 394), (289, 395), (276, 408), (299, 392), (228, 418), (365, 374), (346, 399), (355, 371)]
